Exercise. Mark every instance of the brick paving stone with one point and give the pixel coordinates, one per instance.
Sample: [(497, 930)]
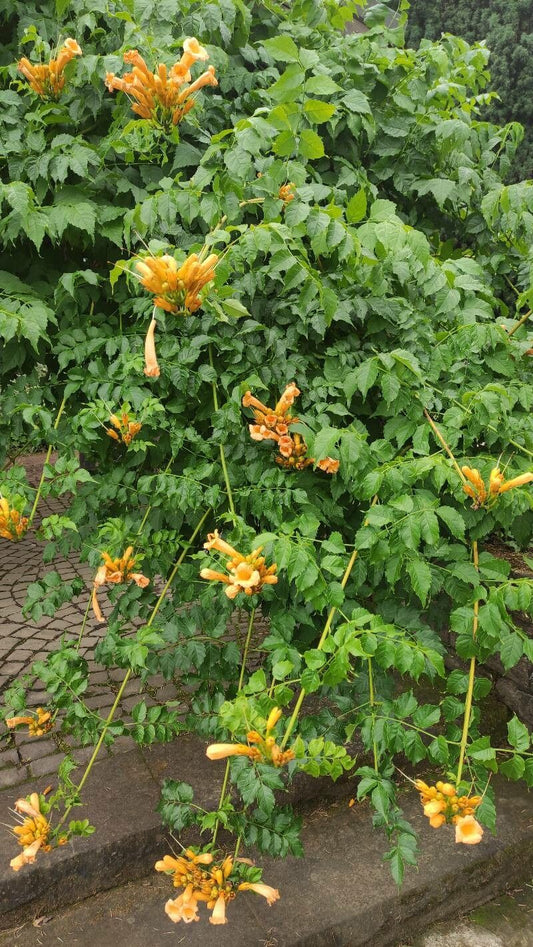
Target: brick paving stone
[(47, 765), (13, 776)]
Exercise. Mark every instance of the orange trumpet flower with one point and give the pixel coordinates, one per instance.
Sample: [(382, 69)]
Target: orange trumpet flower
[(47, 79)]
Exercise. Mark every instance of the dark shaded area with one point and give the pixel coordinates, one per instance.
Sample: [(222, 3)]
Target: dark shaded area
[(507, 28)]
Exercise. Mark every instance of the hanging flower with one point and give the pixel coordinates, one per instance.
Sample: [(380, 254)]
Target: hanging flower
[(37, 725), (273, 425), (207, 881), (483, 496), (442, 806), (12, 524), (47, 79), (151, 366), (468, 830), (176, 288), (114, 572), (126, 429), (164, 96), (33, 832), (246, 574), (260, 748)]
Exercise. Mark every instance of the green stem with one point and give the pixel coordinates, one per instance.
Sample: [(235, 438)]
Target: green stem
[(446, 446), (520, 322), (471, 679), (221, 446), (372, 705), (246, 647), (241, 679), (47, 458), (128, 674), (150, 507), (84, 622), (320, 645)]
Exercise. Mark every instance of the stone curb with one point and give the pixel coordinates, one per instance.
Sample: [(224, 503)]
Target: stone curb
[(120, 800), (340, 894)]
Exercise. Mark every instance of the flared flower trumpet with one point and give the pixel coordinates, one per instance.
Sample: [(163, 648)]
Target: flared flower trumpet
[(259, 749), (12, 524), (176, 288), (122, 428), (246, 574), (486, 496), (272, 424), (207, 881), (114, 572), (442, 806), (33, 832), (38, 724), (166, 95), (47, 79)]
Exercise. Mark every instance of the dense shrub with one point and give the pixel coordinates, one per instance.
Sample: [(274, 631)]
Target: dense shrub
[(369, 251)]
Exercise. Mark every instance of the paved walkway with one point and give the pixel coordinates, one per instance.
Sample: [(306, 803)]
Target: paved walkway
[(23, 641)]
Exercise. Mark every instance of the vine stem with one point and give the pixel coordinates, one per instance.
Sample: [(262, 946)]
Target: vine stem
[(471, 678), (226, 771), (221, 446), (46, 460), (129, 672), (320, 645), (149, 508), (520, 322), (444, 443), (372, 705)]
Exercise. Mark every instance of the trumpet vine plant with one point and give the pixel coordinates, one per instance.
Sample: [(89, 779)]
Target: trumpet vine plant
[(266, 302)]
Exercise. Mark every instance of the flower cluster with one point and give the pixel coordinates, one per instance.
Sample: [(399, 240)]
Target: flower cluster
[(37, 725), (176, 288), (12, 524), (205, 880), (47, 79), (486, 496), (273, 424), (286, 193), (163, 96), (115, 571), (262, 749), (247, 574), (33, 832), (443, 806), (126, 429)]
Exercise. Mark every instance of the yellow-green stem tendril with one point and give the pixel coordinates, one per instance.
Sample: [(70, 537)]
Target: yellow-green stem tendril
[(221, 446), (246, 647), (111, 714), (520, 322), (372, 705), (446, 446), (241, 679), (150, 507), (84, 622), (46, 460), (320, 645), (471, 679)]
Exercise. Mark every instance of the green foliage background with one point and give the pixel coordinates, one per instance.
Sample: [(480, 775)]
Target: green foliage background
[(384, 288), (507, 29)]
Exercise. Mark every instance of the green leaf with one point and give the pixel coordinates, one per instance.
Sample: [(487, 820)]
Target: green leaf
[(518, 735), (317, 111), (453, 519), (356, 208), (322, 85), (420, 575), (234, 308), (356, 101), (285, 144), (311, 145), (367, 374), (282, 49)]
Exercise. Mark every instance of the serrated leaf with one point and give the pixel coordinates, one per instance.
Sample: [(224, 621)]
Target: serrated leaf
[(311, 145), (317, 111), (420, 575), (282, 48), (356, 208)]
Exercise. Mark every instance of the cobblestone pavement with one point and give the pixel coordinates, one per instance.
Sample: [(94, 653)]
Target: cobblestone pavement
[(23, 641)]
